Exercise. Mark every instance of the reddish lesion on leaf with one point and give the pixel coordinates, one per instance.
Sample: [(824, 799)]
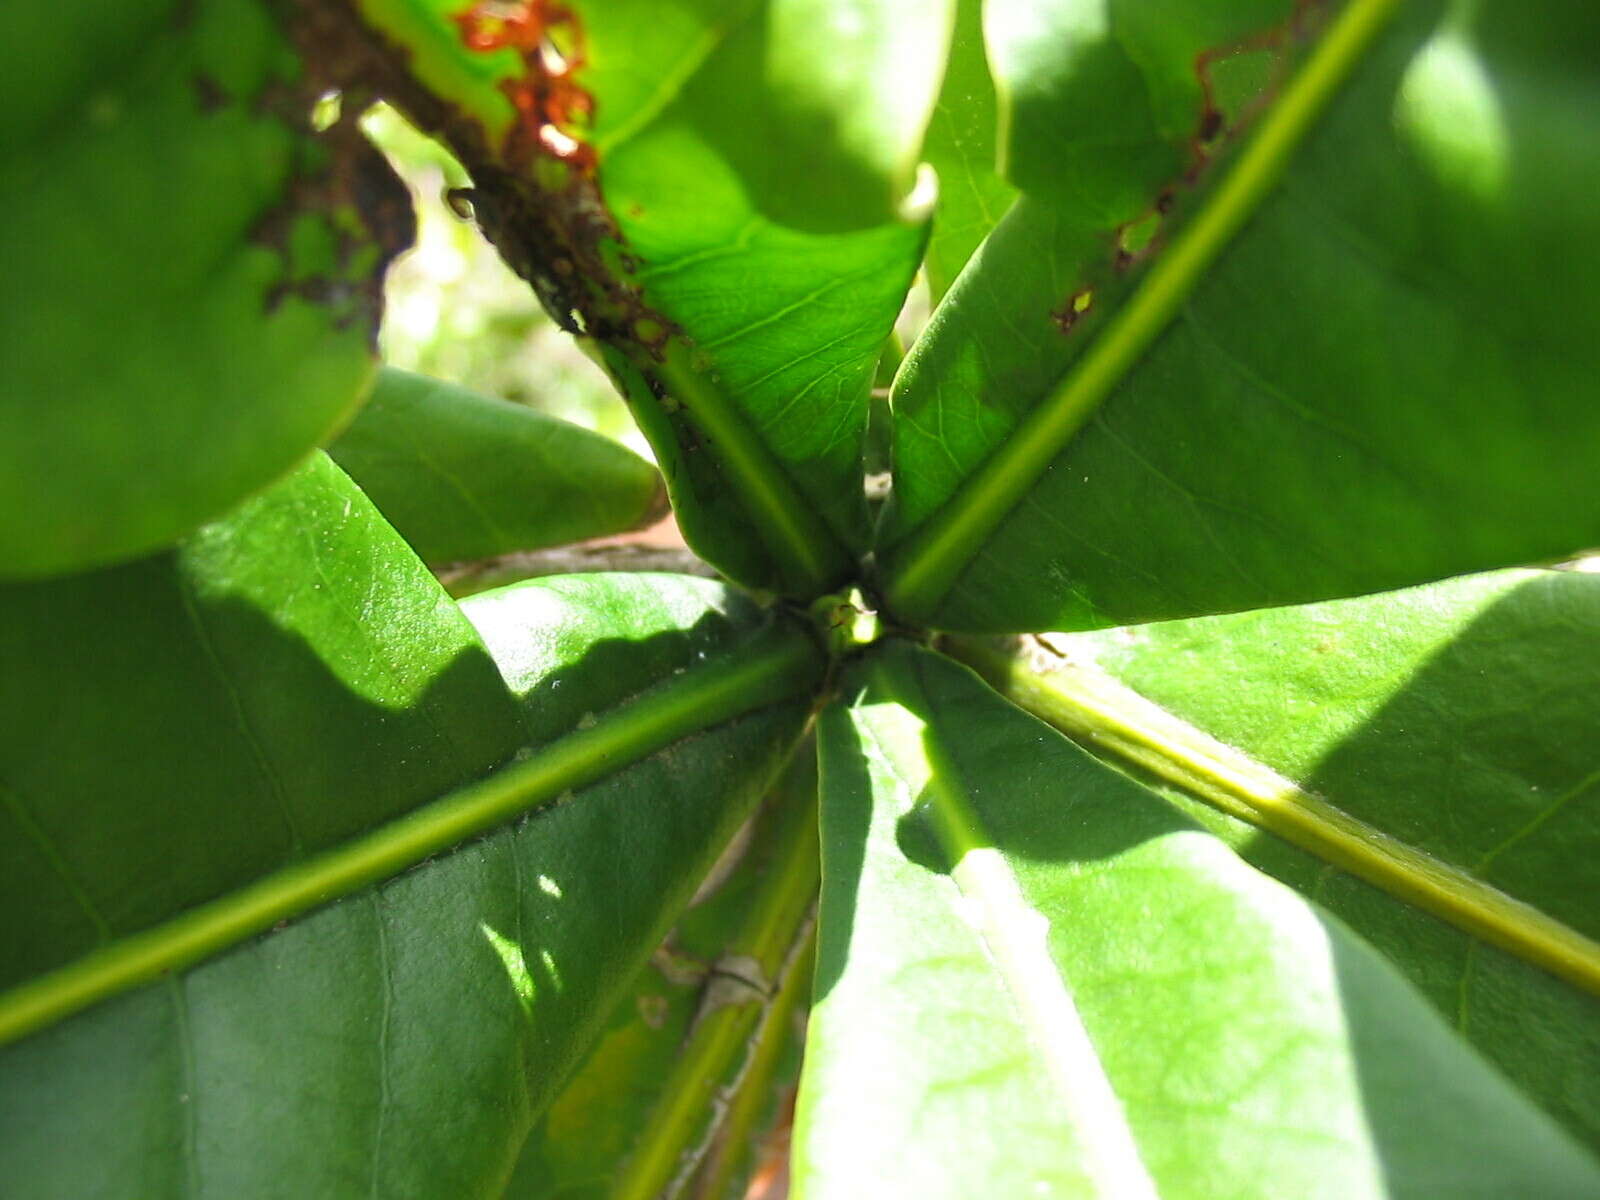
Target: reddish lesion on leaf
[(549, 101), (1217, 125)]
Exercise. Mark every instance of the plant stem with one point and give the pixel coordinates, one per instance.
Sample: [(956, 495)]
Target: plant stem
[(770, 946), (753, 1100), (467, 579)]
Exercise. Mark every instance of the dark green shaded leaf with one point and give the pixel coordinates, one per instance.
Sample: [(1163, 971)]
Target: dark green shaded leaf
[(199, 277), (1332, 409), (1105, 105), (834, 97), (404, 1039), (1018, 940), (463, 476), (1458, 718), (172, 728)]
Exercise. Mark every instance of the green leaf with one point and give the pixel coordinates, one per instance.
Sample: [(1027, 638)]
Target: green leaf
[(1102, 106), (175, 727), (1018, 940), (655, 1100), (1271, 381), (200, 278), (1455, 720), (462, 476), (961, 149), (403, 1039), (739, 288), (783, 301), (835, 96)]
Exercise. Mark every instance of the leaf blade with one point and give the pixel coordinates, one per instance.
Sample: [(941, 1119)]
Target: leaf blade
[(738, 309), (922, 569), (1131, 918), (385, 815), (461, 476), (961, 148), (1379, 720), (204, 278), (501, 959), (320, 1057), (1207, 472)]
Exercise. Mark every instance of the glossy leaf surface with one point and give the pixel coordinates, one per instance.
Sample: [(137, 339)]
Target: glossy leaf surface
[(1264, 377), (1458, 718), (178, 726), (463, 476), (836, 95), (1036, 976), (404, 1039), (784, 299), (200, 278)]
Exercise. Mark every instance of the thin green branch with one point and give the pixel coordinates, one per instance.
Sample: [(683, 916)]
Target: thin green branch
[(754, 1100)]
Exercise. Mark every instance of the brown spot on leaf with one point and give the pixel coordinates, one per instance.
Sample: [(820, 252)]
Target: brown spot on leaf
[(208, 93), (1275, 43), (459, 201), (1080, 302), (340, 179), (1224, 113)]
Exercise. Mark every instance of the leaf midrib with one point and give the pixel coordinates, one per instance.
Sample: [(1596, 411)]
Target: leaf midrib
[(923, 567), (1086, 703), (775, 665), (804, 549)]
